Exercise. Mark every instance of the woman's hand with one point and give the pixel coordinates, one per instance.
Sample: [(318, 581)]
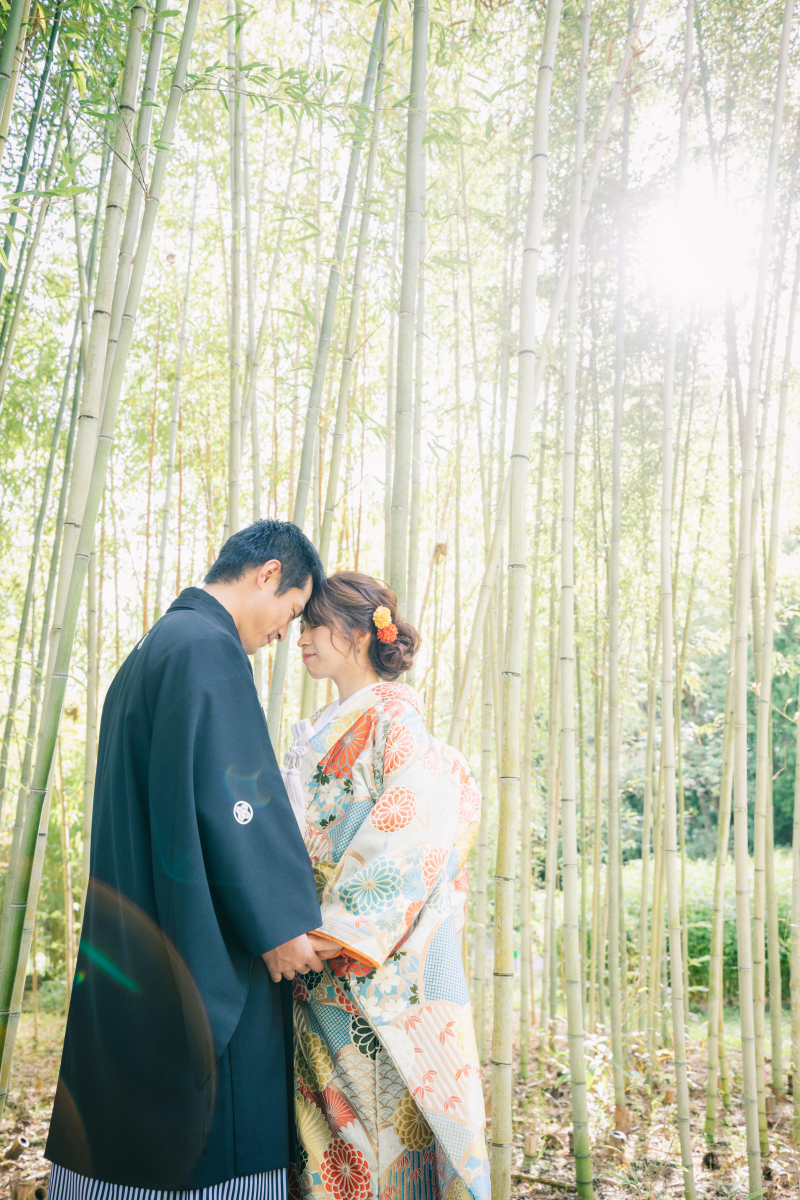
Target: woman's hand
[(324, 947)]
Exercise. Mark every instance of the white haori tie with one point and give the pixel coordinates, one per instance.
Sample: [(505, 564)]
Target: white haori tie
[(301, 732)]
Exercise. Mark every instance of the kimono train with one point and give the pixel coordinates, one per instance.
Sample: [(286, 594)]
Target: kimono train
[(388, 1092)]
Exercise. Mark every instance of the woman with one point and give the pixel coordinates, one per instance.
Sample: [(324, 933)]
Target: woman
[(387, 1084)]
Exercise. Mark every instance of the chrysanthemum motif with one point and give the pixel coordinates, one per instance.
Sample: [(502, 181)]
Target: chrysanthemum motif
[(461, 882), (345, 1172), (304, 1072), (318, 1059), (373, 888), (400, 694), (341, 758), (434, 861), (364, 1038), (394, 810), (399, 748), (469, 803), (410, 1126), (388, 634), (430, 761)]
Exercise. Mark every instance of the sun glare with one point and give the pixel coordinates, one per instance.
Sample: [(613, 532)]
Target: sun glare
[(701, 248)]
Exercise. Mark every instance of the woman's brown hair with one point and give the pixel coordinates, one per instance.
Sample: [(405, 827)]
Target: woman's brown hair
[(345, 603)]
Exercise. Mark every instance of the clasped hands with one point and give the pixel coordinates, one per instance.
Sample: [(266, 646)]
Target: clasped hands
[(301, 954)]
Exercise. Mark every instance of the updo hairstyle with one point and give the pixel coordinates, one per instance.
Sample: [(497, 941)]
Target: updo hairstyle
[(345, 603)]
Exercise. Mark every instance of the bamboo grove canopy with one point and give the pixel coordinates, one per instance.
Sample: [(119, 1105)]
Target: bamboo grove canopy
[(498, 302)]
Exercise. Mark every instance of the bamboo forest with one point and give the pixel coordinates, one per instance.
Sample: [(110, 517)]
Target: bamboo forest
[(497, 301)]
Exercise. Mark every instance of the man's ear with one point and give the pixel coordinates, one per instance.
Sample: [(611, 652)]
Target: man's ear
[(268, 573)]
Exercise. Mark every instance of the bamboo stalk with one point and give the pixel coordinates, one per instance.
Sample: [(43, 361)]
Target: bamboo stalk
[(90, 756), (764, 697), (525, 914), (388, 448), (33, 125), (25, 886), (406, 317), (337, 441), (9, 55), (750, 1078), (416, 444), (676, 973), (481, 911), (517, 474), (570, 927), (235, 330), (647, 821), (136, 148), (30, 258), (715, 998), (176, 400), (299, 512), (795, 981), (614, 854)]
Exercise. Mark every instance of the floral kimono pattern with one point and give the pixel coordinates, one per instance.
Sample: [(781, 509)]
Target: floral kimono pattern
[(387, 1084)]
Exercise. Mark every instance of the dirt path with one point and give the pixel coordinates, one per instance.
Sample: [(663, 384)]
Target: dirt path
[(642, 1166)]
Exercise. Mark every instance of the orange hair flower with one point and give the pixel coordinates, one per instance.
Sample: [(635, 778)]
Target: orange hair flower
[(382, 618)]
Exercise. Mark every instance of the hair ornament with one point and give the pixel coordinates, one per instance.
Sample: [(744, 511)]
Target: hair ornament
[(382, 619)]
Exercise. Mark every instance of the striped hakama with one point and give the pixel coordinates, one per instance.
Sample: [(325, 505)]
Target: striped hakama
[(69, 1185)]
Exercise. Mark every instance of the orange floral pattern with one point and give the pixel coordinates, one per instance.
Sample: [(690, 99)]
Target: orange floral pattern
[(434, 861), (341, 758), (392, 1021), (469, 802), (430, 761), (461, 881), (395, 809), (345, 1171), (399, 748)]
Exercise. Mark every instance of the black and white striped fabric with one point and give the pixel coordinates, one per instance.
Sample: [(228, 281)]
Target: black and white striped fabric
[(68, 1185)]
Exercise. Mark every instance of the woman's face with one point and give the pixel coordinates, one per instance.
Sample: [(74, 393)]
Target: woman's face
[(326, 654)]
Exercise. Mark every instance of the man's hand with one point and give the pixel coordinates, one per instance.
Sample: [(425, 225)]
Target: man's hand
[(292, 958), (323, 946)]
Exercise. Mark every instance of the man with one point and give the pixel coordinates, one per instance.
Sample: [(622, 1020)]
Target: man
[(177, 1066)]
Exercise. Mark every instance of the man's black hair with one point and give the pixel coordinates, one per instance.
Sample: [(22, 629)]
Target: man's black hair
[(261, 541)]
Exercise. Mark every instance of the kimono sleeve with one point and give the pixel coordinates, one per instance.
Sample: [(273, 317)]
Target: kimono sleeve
[(224, 827), (404, 851)]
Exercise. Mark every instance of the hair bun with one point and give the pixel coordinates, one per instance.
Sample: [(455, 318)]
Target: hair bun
[(352, 602)]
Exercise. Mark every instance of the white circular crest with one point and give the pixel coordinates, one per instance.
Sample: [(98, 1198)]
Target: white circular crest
[(243, 812)]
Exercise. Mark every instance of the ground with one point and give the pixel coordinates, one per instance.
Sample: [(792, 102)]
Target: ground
[(646, 1168), (30, 1100)]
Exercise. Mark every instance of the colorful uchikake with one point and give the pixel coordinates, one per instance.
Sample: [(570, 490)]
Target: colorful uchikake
[(382, 618)]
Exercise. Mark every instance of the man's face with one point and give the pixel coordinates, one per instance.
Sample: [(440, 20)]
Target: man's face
[(269, 612)]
